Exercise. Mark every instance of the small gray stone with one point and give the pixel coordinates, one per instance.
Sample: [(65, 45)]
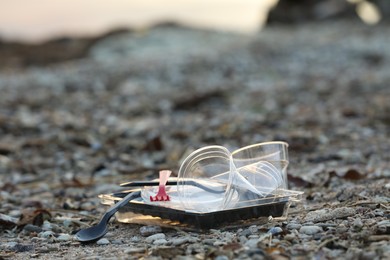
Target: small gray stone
[(243, 239), (117, 242), (43, 249), (103, 241), (29, 228), (357, 223), (17, 247), (219, 243), (221, 257), (46, 234), (293, 226), (135, 239), (310, 230), (209, 241), (246, 232), (289, 237), (327, 214), (134, 250), (383, 227), (64, 237), (179, 241), (254, 229), (155, 237), (160, 242), (8, 246), (275, 230), (67, 223), (252, 243), (149, 230), (46, 225)]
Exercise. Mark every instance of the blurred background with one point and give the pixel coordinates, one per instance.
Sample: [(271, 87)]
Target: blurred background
[(44, 19)]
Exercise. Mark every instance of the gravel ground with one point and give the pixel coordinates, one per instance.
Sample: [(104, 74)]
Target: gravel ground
[(138, 102)]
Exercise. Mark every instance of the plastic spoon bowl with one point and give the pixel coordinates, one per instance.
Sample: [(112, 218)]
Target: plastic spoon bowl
[(98, 231)]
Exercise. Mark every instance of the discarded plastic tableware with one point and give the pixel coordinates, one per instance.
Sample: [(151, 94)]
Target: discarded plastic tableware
[(214, 183)]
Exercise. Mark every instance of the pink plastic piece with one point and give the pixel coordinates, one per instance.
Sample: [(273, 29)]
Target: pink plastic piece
[(162, 194)]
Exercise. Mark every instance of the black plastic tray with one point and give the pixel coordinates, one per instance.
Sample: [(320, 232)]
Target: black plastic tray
[(211, 219)]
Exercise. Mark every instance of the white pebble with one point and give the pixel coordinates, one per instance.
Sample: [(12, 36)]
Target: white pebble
[(103, 241), (64, 237), (46, 234), (160, 242)]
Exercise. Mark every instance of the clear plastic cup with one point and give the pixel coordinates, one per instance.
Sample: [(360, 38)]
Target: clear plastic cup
[(259, 169), (262, 166), (211, 167)]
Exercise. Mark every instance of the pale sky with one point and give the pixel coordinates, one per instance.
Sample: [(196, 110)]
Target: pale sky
[(36, 20)]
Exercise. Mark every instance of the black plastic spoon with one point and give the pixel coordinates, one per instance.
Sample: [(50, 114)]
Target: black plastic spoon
[(98, 231)]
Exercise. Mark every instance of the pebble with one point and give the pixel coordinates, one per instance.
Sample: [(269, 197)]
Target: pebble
[(327, 214), (149, 230), (155, 237), (43, 249), (243, 239), (103, 241), (135, 250), (219, 243), (383, 227), (64, 237), (293, 226), (289, 237), (209, 241), (310, 230), (252, 243), (67, 223), (117, 242), (46, 234), (179, 241), (32, 228), (46, 225), (357, 223), (221, 257), (16, 247), (160, 242), (135, 239), (275, 230)]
